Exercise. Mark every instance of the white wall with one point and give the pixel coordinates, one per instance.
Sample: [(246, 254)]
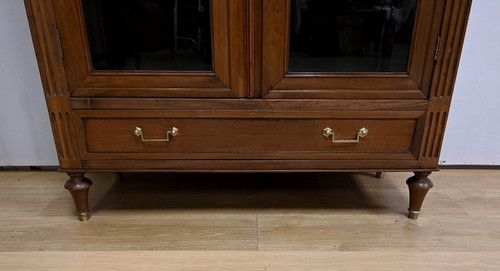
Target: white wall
[(473, 129), (472, 136), (25, 135)]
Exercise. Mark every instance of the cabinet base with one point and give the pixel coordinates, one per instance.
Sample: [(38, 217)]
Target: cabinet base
[(79, 187)]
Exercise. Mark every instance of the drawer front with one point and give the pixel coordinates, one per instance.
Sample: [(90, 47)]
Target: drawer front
[(224, 138)]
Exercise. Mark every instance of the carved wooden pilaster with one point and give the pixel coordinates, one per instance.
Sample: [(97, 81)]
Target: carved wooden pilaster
[(50, 63), (445, 69)]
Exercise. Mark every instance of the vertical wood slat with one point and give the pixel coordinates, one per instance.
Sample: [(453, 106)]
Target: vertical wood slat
[(452, 35), (56, 132), (73, 147), (430, 135), (442, 56), (448, 50), (254, 22), (273, 17), (66, 140), (431, 146), (43, 61), (420, 67), (286, 51), (456, 47), (237, 23), (61, 123), (52, 62), (437, 149), (440, 117), (427, 69)]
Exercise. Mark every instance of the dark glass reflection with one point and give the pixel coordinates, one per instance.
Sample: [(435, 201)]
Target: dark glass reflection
[(149, 34), (351, 35)]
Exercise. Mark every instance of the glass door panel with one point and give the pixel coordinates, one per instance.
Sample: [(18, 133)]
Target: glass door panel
[(152, 48), (359, 49), (350, 36), (169, 35)]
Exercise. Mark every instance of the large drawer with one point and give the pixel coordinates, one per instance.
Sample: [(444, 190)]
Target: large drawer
[(247, 138)]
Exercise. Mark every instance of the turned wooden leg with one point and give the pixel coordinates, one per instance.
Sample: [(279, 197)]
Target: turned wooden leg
[(79, 186), (418, 185)]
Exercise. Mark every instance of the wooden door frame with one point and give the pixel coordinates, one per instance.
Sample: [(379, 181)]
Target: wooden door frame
[(226, 80), (277, 82)]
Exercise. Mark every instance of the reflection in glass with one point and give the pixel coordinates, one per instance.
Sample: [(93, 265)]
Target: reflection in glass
[(149, 34), (351, 35)]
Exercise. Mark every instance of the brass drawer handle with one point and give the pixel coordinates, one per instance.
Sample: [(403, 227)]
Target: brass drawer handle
[(329, 132), (172, 132)]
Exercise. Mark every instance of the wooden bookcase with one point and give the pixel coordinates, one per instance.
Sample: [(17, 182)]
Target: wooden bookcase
[(262, 104)]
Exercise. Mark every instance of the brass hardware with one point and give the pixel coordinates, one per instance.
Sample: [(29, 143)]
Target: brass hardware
[(413, 214), (58, 36), (329, 132), (380, 175), (172, 132), (436, 52), (84, 216)]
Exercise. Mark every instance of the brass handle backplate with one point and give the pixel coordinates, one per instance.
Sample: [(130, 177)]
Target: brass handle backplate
[(327, 132), (172, 132)]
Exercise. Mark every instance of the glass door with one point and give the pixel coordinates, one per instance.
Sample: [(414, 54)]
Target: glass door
[(349, 48), (152, 48), (149, 35)]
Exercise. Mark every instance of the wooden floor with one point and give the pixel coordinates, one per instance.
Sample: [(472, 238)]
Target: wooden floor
[(250, 222)]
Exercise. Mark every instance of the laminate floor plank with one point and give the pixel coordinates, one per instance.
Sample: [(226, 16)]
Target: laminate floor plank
[(178, 215), (249, 260), (310, 232), (6, 231), (165, 233), (457, 233), (384, 233), (477, 202)]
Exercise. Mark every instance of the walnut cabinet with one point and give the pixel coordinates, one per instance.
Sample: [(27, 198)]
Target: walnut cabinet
[(248, 85)]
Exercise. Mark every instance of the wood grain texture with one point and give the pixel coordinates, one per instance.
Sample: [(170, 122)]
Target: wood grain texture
[(274, 213), (247, 104), (46, 47), (210, 138), (50, 64), (250, 114), (230, 260), (427, 28), (244, 27), (254, 26), (452, 35), (240, 165)]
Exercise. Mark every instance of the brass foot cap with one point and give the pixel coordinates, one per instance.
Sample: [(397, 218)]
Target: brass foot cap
[(413, 214), (84, 216), (380, 175)]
